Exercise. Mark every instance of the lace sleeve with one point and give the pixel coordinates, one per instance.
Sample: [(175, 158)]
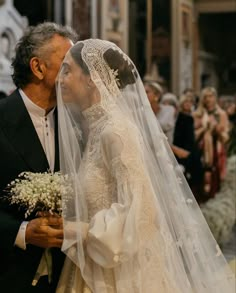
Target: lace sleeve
[(116, 234)]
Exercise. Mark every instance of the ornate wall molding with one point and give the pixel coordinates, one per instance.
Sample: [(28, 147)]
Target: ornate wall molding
[(214, 6), (12, 25)]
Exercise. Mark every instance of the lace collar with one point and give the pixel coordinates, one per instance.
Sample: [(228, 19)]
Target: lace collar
[(94, 114)]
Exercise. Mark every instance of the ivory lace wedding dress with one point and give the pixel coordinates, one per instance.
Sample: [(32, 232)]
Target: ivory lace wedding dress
[(105, 175), (132, 224)]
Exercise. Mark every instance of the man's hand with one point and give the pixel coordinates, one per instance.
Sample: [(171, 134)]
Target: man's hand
[(45, 232)]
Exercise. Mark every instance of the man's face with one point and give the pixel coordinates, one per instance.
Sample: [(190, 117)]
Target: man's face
[(58, 49)]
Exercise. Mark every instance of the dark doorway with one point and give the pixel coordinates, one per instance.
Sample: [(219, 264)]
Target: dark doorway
[(217, 35), (161, 32), (36, 11)]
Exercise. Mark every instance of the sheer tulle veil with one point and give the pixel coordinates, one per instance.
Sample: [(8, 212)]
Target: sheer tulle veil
[(180, 236)]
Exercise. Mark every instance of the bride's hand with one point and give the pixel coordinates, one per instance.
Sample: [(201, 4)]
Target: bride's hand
[(75, 229)]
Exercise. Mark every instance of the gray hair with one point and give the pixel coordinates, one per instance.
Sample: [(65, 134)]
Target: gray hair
[(154, 86), (171, 99), (33, 43)]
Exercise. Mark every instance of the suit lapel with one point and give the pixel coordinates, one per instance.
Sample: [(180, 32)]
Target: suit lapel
[(21, 133)]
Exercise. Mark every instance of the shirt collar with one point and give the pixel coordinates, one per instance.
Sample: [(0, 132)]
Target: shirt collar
[(33, 108)]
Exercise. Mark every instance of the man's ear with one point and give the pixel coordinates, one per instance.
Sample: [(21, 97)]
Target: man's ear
[(38, 67)]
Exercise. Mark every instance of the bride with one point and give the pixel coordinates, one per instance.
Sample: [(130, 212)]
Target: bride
[(131, 224)]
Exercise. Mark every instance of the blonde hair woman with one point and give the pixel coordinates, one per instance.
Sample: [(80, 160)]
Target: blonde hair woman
[(186, 104), (211, 130)]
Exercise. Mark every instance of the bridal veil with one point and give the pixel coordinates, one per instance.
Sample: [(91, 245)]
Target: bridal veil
[(153, 230)]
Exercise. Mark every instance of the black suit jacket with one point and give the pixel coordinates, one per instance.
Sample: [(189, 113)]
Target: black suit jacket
[(20, 150)]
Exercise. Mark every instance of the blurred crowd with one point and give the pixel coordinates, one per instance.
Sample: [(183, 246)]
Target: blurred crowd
[(201, 132)]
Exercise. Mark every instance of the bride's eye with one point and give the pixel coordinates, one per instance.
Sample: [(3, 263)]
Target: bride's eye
[(65, 69)]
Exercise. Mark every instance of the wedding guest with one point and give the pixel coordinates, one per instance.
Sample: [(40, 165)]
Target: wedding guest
[(212, 133), (184, 138), (28, 142), (170, 99), (186, 104), (163, 113), (231, 112), (191, 93)]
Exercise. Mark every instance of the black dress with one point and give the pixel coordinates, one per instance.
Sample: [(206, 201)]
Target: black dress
[(184, 138)]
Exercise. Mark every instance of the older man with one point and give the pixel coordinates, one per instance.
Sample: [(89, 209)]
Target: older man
[(28, 142)]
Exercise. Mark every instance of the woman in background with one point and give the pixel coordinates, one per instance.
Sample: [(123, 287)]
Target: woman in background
[(164, 113), (186, 104), (212, 133), (184, 138), (231, 112)]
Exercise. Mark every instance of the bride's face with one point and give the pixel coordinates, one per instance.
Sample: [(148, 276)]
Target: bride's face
[(74, 82)]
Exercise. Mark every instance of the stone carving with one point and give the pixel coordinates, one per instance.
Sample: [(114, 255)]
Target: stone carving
[(12, 26)]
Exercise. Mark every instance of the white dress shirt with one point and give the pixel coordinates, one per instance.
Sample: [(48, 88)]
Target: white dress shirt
[(45, 127)]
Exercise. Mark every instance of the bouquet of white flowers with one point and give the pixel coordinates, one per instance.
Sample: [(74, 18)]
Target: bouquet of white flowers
[(39, 192)]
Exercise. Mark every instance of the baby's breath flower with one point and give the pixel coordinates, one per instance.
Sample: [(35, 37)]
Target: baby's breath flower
[(39, 191)]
